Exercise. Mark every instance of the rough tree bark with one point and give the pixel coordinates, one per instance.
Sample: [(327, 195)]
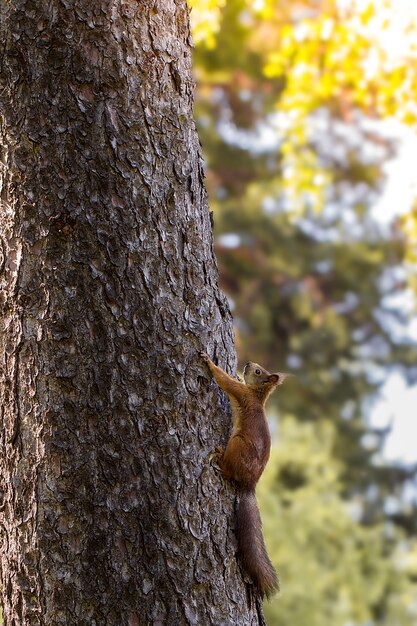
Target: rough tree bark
[(112, 513)]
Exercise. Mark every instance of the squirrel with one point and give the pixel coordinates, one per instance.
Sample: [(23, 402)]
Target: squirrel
[(244, 460)]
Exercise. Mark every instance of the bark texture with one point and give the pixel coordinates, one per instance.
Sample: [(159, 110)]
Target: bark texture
[(111, 513)]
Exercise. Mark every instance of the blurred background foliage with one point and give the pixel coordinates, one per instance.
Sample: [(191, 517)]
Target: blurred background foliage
[(300, 107)]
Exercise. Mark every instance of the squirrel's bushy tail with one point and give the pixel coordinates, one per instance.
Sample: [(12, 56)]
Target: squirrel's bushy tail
[(251, 545)]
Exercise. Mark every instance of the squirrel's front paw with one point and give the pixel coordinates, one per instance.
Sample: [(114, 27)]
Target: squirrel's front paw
[(205, 357)]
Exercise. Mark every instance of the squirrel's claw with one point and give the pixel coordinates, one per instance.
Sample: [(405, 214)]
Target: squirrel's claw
[(217, 454), (215, 457), (204, 356)]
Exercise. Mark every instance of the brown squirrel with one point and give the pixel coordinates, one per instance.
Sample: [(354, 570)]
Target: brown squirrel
[(244, 460)]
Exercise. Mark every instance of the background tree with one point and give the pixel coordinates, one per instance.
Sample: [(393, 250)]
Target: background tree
[(290, 109), (111, 511)]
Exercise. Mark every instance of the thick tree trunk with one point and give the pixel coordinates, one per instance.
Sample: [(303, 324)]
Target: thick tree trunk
[(112, 513)]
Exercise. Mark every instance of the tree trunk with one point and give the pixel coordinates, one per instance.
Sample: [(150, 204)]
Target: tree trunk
[(112, 513)]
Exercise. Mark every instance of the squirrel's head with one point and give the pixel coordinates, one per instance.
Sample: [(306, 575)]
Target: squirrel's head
[(257, 376)]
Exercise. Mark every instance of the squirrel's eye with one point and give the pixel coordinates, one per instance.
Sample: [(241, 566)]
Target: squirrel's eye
[(257, 372)]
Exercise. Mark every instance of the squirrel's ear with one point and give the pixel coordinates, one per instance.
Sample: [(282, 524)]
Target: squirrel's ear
[(278, 377)]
